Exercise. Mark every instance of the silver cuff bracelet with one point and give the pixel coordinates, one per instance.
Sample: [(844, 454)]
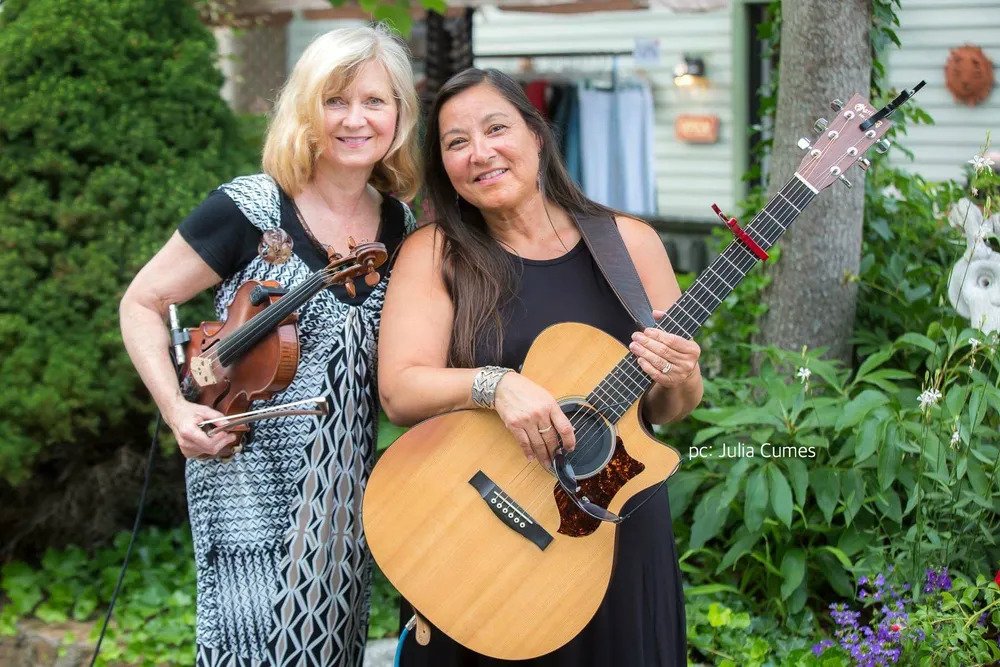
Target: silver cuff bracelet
[(484, 387)]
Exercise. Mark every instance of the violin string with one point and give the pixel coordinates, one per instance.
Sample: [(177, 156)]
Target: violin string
[(258, 324)]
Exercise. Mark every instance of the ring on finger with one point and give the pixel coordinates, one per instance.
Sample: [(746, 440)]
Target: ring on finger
[(546, 429), (666, 367)]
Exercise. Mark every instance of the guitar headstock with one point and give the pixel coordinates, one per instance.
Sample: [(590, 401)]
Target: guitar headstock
[(842, 143)]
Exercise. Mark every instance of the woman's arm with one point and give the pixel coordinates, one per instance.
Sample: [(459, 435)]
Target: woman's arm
[(679, 391), (174, 275), (413, 378)]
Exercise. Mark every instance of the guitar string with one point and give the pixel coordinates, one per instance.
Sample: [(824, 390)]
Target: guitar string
[(629, 366), (258, 324), (629, 363), (602, 394), (531, 507), (751, 229), (803, 198)]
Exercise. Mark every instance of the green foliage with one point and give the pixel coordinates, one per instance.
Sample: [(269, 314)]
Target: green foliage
[(383, 620), (153, 621), (792, 486), (721, 631), (396, 13), (957, 629), (112, 130)]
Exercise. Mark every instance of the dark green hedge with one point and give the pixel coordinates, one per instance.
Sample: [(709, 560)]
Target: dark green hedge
[(111, 130)]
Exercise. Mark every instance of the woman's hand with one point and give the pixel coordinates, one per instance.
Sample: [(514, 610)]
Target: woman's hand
[(183, 418), (666, 358), (534, 417)]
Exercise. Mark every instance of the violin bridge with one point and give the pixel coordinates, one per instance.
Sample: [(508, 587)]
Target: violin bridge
[(201, 371)]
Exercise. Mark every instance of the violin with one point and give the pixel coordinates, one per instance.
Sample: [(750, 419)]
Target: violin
[(254, 353)]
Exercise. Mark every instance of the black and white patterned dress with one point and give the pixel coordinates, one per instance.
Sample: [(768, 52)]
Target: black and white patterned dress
[(283, 568)]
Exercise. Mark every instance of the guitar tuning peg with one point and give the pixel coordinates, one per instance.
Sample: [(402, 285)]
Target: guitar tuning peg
[(836, 104), (804, 144), (882, 146), (864, 163), (846, 182), (372, 278), (820, 125), (351, 289)]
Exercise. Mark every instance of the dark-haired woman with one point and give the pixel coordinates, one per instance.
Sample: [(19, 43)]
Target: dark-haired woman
[(503, 261)]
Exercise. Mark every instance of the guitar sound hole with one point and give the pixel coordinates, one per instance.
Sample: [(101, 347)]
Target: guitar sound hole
[(594, 439)]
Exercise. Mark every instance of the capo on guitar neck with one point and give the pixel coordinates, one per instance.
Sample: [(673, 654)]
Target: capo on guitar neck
[(739, 233)]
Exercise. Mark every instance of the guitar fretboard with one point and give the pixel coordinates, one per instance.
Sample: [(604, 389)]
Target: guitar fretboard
[(627, 382)]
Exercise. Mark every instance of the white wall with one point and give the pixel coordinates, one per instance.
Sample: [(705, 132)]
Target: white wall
[(928, 30), (689, 177)]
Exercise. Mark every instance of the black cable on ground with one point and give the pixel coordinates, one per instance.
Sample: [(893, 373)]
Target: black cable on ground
[(135, 532)]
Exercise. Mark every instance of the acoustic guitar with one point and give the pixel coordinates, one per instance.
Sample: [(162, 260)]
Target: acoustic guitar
[(512, 559)]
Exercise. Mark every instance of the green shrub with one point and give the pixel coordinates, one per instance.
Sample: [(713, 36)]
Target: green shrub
[(887, 468), (112, 129)]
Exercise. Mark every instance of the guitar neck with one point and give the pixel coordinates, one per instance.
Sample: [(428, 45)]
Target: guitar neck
[(627, 381), (260, 325)]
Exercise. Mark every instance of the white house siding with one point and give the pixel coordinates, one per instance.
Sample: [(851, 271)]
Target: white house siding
[(929, 29), (688, 177)]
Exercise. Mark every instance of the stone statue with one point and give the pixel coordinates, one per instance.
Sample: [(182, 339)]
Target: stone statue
[(974, 287)]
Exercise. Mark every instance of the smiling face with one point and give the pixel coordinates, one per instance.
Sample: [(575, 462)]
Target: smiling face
[(359, 121), (488, 150)]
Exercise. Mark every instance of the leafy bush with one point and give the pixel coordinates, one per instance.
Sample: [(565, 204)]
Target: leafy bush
[(944, 621), (154, 617), (112, 130), (839, 471)]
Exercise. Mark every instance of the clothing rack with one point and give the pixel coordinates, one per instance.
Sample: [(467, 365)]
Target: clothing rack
[(554, 54), (614, 55)]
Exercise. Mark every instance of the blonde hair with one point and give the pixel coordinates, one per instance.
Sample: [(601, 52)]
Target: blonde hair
[(331, 63)]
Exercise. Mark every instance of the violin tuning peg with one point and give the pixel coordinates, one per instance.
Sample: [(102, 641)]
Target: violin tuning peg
[(351, 243), (372, 278), (351, 290)]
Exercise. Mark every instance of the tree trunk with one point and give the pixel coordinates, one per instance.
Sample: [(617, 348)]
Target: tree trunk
[(825, 54)]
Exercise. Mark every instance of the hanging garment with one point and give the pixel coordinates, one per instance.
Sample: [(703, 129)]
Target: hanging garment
[(616, 135), (565, 110)]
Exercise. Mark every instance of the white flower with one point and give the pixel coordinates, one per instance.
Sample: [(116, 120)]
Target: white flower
[(975, 343), (980, 162), (975, 192), (892, 192), (804, 374), (955, 437), (928, 398)]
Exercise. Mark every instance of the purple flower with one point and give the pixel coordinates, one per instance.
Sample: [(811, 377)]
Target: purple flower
[(822, 646), (937, 581)]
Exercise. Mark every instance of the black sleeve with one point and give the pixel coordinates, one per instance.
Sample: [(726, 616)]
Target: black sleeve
[(220, 234)]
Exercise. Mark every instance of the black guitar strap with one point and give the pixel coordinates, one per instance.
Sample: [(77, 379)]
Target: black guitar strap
[(606, 246)]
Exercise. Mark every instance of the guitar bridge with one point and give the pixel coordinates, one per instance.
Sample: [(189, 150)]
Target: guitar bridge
[(508, 511)]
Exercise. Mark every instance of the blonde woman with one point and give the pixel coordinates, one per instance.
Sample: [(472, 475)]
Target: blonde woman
[(283, 568)]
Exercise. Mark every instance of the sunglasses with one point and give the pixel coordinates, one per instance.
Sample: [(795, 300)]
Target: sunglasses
[(567, 480)]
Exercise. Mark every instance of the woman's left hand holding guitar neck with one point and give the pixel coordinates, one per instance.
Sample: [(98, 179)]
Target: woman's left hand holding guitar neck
[(672, 363)]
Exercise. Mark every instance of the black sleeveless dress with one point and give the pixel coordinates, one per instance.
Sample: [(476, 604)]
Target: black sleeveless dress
[(641, 621)]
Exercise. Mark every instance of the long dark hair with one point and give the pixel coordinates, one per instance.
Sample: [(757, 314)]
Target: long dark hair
[(478, 274)]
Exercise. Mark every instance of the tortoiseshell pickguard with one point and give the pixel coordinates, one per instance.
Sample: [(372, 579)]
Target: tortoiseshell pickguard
[(599, 489)]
